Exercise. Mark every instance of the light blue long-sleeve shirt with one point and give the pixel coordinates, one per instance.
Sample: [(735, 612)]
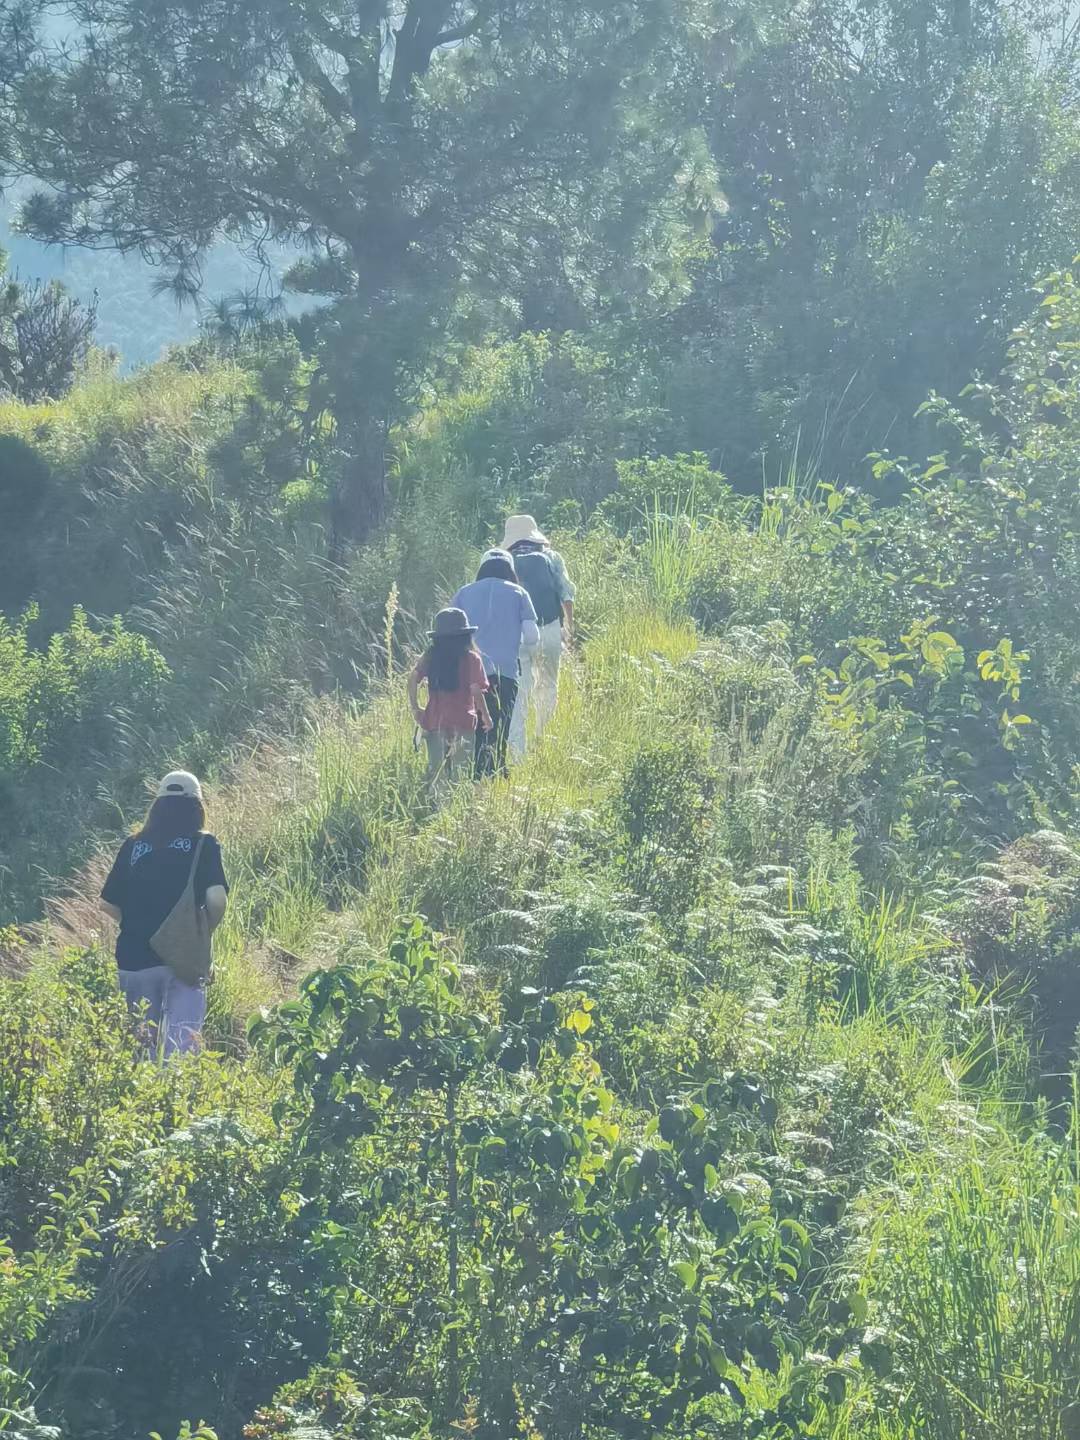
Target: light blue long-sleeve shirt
[(505, 620)]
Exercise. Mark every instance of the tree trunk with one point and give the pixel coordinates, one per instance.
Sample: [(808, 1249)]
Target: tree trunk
[(358, 505)]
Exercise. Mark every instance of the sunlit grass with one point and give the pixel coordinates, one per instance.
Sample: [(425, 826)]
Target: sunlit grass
[(907, 1080), (342, 817), (977, 1265), (165, 397)]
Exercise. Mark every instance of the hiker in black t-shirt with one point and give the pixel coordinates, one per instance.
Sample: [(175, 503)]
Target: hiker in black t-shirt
[(148, 877)]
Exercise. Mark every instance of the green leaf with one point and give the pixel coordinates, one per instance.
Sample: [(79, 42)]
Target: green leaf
[(686, 1272), (877, 1357), (799, 1231), (835, 1387)]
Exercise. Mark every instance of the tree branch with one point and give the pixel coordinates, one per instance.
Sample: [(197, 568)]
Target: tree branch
[(308, 68), (360, 51), (463, 32), (414, 45)]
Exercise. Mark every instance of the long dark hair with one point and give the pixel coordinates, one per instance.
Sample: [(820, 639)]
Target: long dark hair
[(497, 567), (170, 816), (444, 657)]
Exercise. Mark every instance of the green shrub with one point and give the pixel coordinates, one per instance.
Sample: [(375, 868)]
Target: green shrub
[(26, 482), (482, 1157), (1018, 919), (71, 693), (530, 423), (97, 1186), (673, 484), (662, 815), (330, 1403)]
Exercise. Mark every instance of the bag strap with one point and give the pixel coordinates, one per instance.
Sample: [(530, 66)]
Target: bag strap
[(195, 865)]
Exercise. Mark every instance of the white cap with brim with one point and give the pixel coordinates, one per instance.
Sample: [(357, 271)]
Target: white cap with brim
[(522, 527), (179, 782)]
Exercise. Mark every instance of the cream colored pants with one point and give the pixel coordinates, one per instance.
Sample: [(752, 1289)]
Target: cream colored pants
[(538, 688)]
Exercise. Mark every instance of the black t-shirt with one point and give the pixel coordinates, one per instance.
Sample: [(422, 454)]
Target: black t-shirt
[(145, 883)]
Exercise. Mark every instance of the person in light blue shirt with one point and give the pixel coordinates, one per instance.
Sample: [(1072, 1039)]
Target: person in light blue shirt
[(505, 621)]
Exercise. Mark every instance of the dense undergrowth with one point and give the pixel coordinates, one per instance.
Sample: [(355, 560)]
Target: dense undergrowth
[(767, 1157), (725, 1087)]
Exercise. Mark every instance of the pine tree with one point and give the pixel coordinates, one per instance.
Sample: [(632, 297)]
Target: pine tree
[(409, 146)]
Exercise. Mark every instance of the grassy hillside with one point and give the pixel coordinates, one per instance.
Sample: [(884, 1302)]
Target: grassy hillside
[(716, 1075), (725, 1086), (182, 501), (848, 1164), (773, 1161)]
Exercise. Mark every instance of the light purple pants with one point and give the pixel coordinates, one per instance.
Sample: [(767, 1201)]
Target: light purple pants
[(172, 1011)]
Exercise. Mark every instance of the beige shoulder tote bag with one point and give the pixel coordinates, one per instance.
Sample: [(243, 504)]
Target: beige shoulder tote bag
[(182, 940)]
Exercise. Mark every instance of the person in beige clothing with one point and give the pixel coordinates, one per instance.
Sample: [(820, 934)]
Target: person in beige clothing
[(542, 573)]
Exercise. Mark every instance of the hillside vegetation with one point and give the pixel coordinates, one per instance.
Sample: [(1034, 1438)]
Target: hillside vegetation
[(714, 1076), (725, 1086)]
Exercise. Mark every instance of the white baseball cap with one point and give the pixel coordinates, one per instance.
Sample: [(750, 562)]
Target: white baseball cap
[(179, 782)]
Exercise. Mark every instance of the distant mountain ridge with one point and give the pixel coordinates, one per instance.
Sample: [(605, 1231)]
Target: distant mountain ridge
[(131, 317)]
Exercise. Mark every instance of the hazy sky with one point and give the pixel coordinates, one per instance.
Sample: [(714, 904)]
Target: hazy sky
[(131, 317)]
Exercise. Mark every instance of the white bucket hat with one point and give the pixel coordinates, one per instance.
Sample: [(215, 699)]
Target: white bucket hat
[(179, 782), (522, 527)]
